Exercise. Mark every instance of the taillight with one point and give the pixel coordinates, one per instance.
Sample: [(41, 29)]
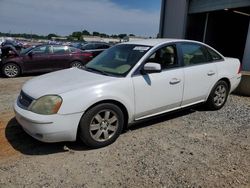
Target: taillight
[(240, 68)]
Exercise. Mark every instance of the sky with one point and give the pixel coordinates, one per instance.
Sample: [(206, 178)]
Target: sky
[(139, 17)]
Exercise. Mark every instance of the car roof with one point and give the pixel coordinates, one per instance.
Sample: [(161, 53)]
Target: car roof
[(52, 45), (155, 42), (91, 42)]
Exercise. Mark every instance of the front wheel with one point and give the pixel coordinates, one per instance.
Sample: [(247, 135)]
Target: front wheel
[(218, 96), (101, 125), (11, 70)]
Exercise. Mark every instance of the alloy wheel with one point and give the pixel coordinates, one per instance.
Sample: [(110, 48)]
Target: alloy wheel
[(11, 70), (103, 125), (220, 95), (77, 65)]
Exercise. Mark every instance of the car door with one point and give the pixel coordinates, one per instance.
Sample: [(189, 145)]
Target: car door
[(37, 59), (159, 92), (61, 57), (200, 73)]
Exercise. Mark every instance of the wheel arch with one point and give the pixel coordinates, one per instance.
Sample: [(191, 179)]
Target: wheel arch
[(76, 60), (117, 103), (227, 81), (13, 62)]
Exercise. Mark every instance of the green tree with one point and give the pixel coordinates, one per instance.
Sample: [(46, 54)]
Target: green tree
[(85, 32), (121, 36), (51, 35), (114, 36), (96, 33), (77, 34), (104, 35)]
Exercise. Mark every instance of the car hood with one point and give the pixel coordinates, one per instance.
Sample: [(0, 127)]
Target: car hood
[(63, 81)]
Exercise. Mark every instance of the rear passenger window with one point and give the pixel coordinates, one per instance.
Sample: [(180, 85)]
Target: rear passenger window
[(101, 46), (105, 46), (89, 47), (215, 56), (60, 49), (194, 54)]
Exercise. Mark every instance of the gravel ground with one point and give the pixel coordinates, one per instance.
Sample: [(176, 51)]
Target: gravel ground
[(192, 148)]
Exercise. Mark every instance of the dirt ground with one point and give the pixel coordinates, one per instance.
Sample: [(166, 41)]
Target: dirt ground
[(192, 148)]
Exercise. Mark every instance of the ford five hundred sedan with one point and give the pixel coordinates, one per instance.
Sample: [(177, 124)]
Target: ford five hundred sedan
[(126, 83)]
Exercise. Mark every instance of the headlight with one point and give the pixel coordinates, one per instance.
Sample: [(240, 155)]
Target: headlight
[(46, 105)]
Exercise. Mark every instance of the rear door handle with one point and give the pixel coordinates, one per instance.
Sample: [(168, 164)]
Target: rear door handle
[(211, 73), (174, 81)]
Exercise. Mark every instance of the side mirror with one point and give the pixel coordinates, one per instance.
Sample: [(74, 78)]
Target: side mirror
[(151, 68)]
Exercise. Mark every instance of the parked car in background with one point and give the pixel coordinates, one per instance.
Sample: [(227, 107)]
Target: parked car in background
[(17, 45), (78, 44), (44, 58), (93, 47), (2, 39), (8, 51), (9, 48), (124, 84)]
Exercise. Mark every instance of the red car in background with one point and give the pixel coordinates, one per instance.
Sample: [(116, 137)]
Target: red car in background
[(44, 58)]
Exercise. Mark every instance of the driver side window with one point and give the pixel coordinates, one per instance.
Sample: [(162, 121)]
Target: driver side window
[(40, 50), (165, 56)]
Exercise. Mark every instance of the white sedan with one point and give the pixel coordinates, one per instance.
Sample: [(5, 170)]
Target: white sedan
[(128, 82)]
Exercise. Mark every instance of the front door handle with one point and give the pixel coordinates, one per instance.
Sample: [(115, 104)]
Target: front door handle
[(211, 73), (174, 81)]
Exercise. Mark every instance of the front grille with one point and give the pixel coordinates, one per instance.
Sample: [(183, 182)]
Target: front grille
[(24, 100)]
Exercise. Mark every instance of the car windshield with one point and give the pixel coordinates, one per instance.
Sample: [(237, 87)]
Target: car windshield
[(118, 60)]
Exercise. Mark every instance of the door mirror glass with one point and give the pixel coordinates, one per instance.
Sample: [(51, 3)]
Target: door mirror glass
[(151, 67)]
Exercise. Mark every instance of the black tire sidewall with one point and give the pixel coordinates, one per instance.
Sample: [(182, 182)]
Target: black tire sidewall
[(3, 70), (85, 121), (210, 102)]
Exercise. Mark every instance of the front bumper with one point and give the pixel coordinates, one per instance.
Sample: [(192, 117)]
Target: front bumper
[(48, 128)]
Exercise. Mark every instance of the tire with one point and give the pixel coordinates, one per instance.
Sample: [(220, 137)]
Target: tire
[(11, 70), (218, 96), (76, 64), (101, 125)]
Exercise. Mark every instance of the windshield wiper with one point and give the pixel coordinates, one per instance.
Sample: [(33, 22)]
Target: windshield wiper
[(96, 70)]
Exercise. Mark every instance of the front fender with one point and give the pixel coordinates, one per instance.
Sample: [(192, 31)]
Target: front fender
[(81, 99)]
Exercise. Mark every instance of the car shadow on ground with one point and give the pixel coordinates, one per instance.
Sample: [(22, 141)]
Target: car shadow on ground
[(27, 145)]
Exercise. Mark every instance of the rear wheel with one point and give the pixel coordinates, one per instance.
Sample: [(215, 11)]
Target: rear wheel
[(218, 96), (101, 125), (77, 64), (11, 70)]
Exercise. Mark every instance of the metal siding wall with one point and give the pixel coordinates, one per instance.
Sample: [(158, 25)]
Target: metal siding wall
[(174, 14), (162, 18), (197, 6), (173, 19), (246, 58)]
